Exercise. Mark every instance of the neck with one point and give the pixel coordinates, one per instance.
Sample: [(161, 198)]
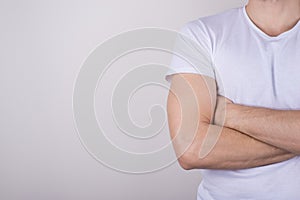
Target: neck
[(274, 16)]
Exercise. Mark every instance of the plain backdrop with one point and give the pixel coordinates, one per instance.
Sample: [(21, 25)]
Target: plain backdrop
[(42, 46)]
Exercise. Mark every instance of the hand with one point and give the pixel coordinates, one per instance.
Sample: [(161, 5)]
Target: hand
[(221, 110)]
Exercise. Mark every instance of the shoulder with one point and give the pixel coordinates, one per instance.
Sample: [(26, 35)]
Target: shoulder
[(223, 18), (208, 26)]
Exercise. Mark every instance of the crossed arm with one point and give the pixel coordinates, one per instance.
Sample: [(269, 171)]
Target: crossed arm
[(280, 128), (199, 143)]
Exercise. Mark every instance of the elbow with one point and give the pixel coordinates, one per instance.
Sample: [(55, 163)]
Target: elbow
[(186, 163), (186, 157), (189, 161), (190, 158)]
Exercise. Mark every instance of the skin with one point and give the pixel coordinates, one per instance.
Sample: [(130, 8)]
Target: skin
[(204, 137), (280, 128), (274, 16)]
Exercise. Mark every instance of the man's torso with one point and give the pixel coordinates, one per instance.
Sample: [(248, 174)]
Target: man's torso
[(254, 69)]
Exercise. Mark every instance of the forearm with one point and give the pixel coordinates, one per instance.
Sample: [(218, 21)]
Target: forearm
[(276, 127), (198, 143), (215, 147)]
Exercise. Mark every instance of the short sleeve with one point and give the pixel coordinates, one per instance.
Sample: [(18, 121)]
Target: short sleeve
[(191, 52)]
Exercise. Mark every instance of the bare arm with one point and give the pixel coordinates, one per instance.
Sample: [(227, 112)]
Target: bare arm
[(198, 143), (280, 128)]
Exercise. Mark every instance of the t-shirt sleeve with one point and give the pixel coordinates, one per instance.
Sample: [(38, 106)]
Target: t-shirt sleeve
[(191, 52)]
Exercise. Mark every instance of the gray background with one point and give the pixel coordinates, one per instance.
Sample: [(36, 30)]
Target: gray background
[(42, 46)]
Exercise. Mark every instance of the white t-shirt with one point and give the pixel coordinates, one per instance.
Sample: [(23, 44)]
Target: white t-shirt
[(250, 68)]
